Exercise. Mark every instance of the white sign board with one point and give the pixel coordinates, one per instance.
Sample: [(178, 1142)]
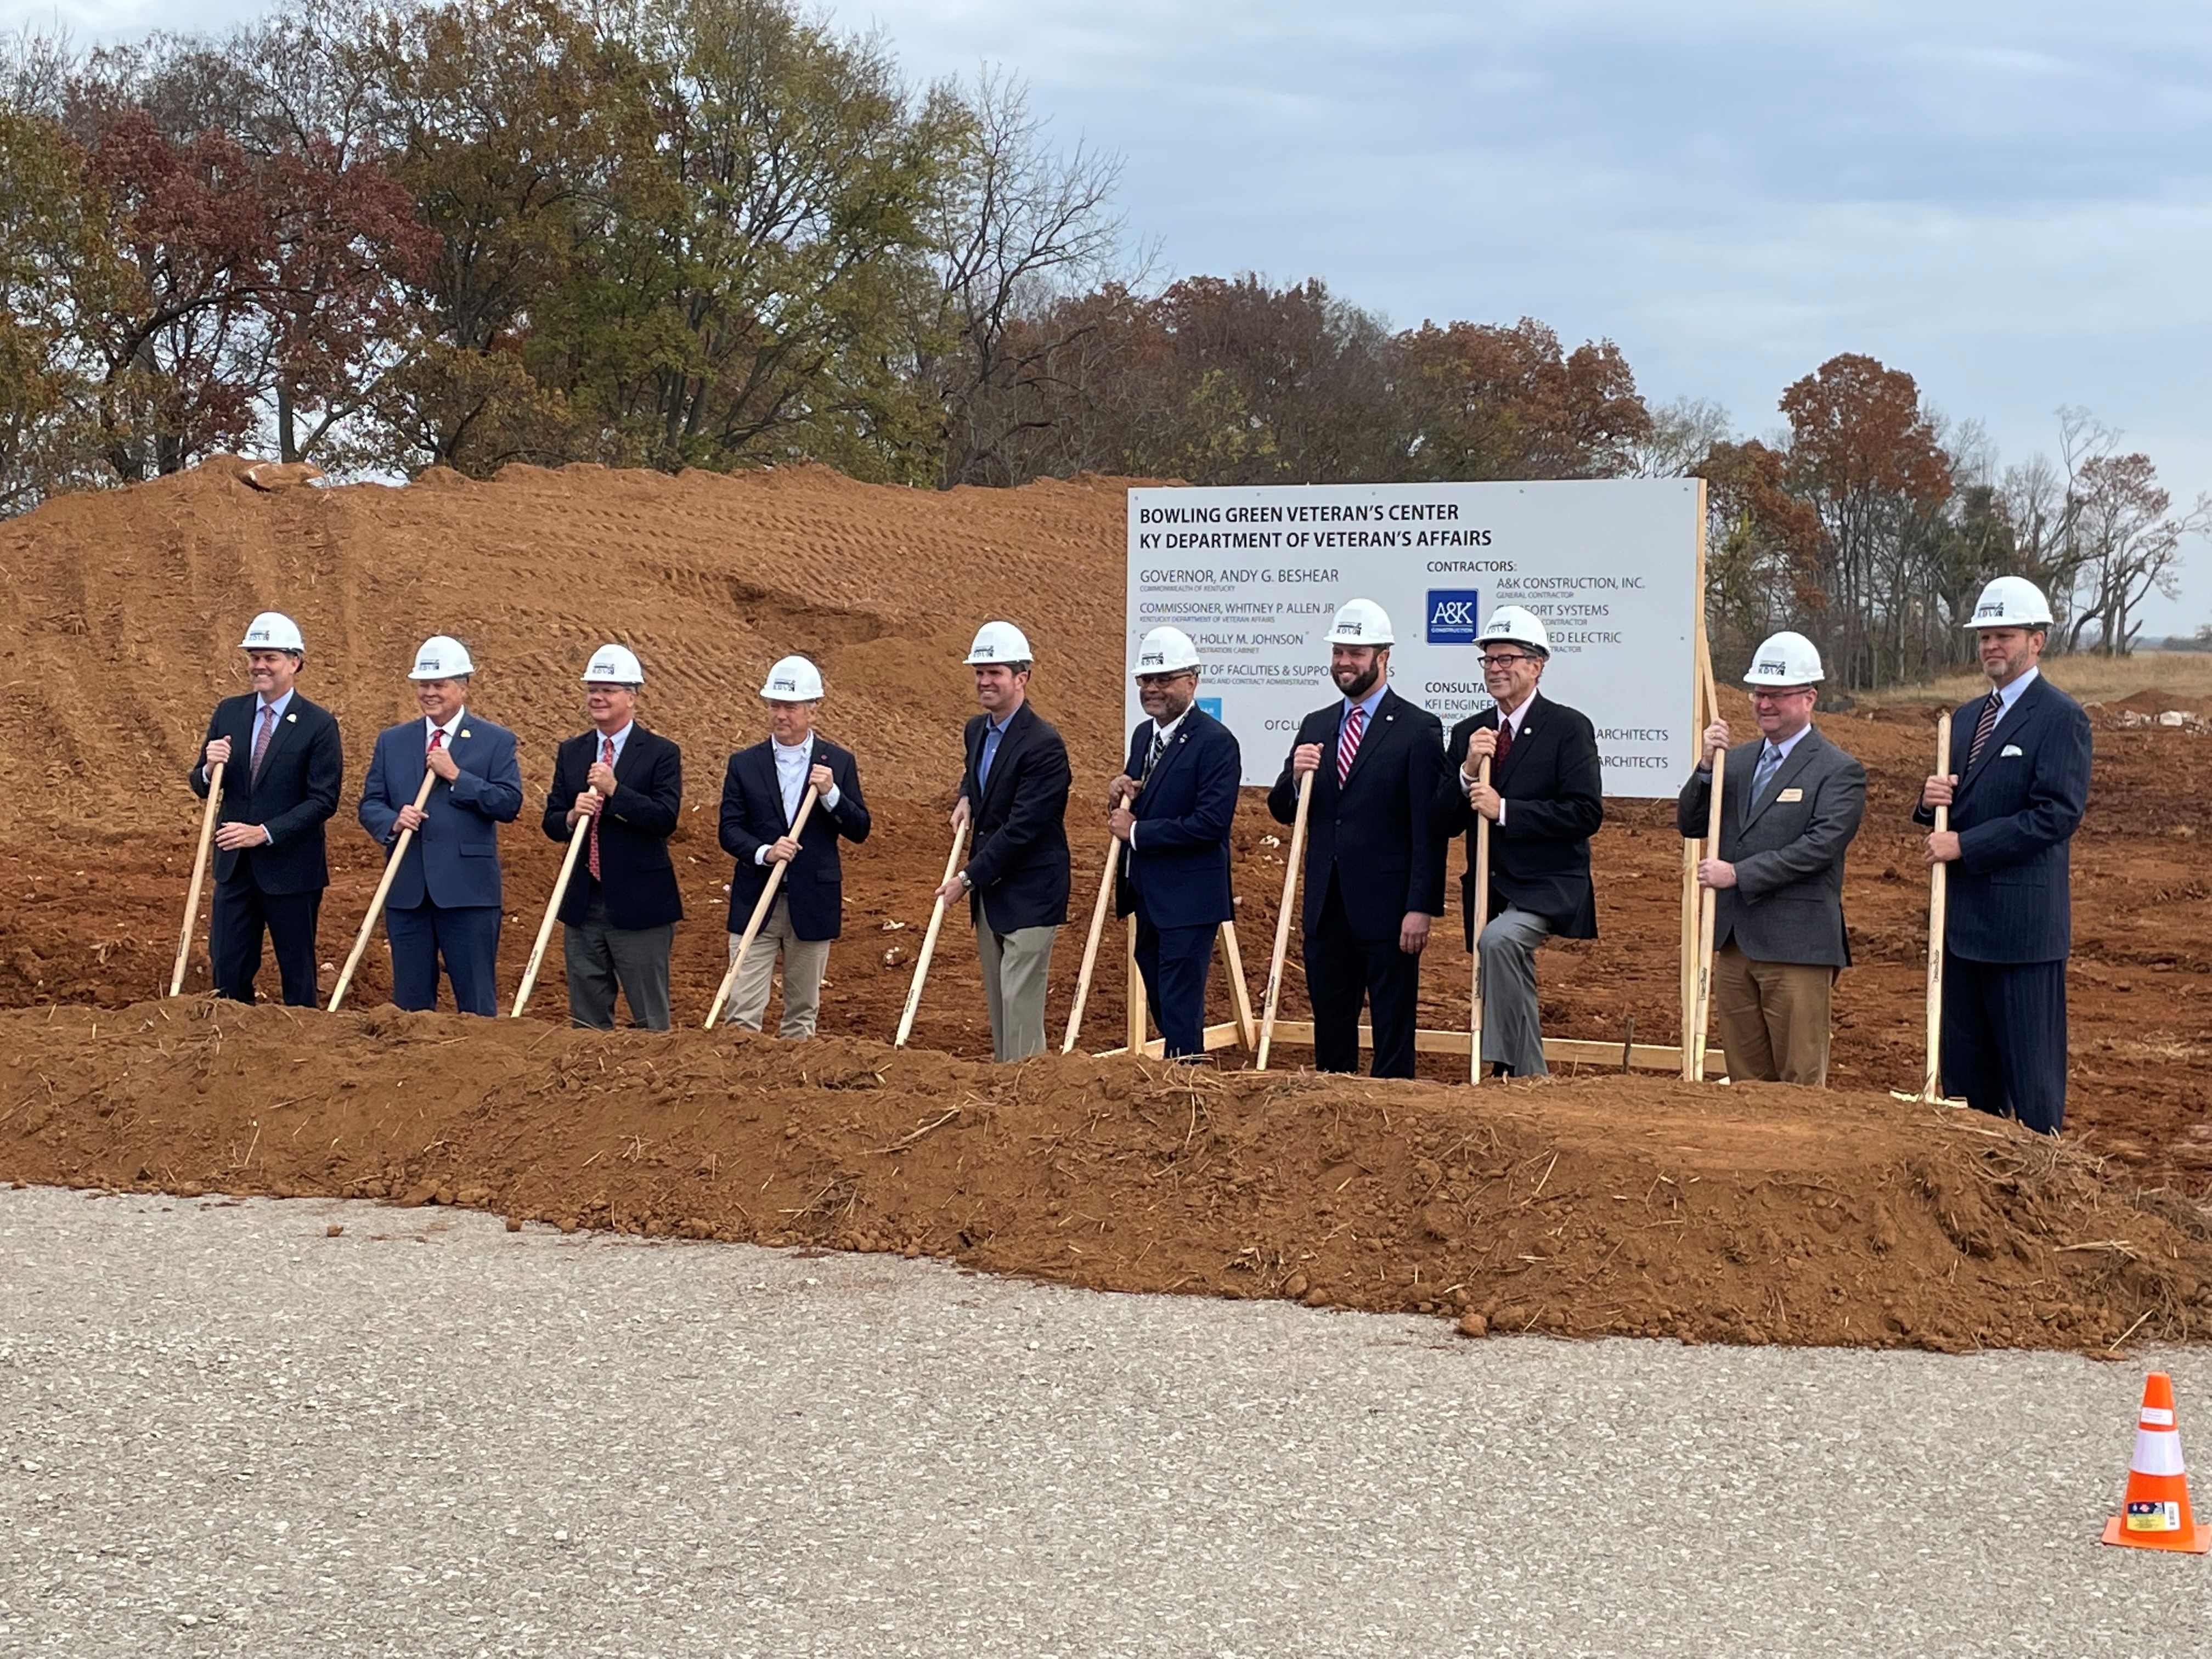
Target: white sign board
[(1254, 576)]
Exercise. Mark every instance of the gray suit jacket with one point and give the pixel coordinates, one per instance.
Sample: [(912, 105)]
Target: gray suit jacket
[(1787, 905)]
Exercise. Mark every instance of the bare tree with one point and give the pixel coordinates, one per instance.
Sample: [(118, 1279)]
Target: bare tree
[(1018, 226), (1683, 434)]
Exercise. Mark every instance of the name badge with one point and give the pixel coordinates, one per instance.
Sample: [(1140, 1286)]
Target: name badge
[(1790, 794)]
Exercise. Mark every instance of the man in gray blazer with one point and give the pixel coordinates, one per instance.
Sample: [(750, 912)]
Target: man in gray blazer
[(1789, 806)]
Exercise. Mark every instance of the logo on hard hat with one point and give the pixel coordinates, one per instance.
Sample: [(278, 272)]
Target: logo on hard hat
[(1771, 666), (1455, 615), (784, 682)]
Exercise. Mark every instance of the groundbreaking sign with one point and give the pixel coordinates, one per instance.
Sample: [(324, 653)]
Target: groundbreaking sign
[(1252, 575)]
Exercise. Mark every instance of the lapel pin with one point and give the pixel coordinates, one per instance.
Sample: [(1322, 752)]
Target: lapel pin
[(290, 718), (464, 730)]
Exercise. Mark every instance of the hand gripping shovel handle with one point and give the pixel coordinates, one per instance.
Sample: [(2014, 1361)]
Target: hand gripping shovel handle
[(383, 886), (759, 915), (928, 943), (199, 875)]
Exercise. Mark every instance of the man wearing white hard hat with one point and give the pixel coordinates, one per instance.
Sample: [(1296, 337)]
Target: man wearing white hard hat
[(2017, 786), (281, 770), (1545, 799), (763, 790), (1375, 857), (1790, 805), (444, 903), (1013, 791), (622, 787), (1172, 808)]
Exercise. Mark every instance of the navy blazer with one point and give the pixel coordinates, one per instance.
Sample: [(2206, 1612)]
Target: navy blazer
[(1018, 863), (294, 796), (453, 860), (1554, 788), (1378, 834), (2014, 812), (1178, 864), (637, 881), (753, 818)]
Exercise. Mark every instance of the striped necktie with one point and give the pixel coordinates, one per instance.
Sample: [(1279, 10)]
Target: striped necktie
[(592, 850), (1153, 756), (1769, 763), (261, 737), (1347, 743), (1988, 724)]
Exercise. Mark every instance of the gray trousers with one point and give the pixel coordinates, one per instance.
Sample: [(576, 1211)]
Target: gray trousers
[(600, 957), (803, 960), (1511, 1032), (1014, 968)]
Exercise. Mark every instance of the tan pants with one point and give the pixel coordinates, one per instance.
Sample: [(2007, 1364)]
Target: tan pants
[(1774, 1018), (803, 962), (1014, 968)]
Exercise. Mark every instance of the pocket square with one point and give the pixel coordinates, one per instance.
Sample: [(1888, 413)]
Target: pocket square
[(1790, 794), (2009, 750)]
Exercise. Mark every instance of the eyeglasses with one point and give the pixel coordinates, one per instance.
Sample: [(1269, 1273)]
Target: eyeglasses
[(1161, 681), (1782, 696), (1505, 658)]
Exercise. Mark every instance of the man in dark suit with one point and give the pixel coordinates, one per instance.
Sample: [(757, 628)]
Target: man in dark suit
[(621, 787), (1013, 788), (1545, 799), (2018, 785), (1374, 859), (444, 903), (761, 792), (1789, 806), (281, 768), (1172, 807)]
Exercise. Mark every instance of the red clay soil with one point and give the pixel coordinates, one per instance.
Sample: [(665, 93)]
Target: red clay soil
[(1607, 1205), (120, 613)]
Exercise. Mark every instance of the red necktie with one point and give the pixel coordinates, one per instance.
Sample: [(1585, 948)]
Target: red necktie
[(437, 738), (591, 855), (261, 737), (1347, 743), (1504, 745)]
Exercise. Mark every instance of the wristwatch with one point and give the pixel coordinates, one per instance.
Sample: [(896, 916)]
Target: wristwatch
[(966, 885)]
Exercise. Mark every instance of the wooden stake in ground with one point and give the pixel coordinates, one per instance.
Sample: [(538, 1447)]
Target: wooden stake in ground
[(929, 943), (760, 912), (1091, 943), (1240, 993), (579, 834), (1931, 1077), (1297, 852), (383, 886), (199, 874), (1135, 1004), (1481, 922), (1709, 911)]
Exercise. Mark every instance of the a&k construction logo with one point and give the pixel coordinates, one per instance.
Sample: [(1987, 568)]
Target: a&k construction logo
[(1455, 615)]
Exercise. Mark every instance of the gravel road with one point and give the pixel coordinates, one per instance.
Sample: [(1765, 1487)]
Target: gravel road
[(224, 1431)]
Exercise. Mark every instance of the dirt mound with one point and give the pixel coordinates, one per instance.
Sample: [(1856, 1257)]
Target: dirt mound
[(1602, 1207), (118, 622)]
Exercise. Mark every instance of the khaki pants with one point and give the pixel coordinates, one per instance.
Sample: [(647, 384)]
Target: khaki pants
[(803, 962), (1774, 1018), (1014, 968)]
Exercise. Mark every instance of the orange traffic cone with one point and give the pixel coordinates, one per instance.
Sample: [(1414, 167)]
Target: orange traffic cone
[(2157, 1517)]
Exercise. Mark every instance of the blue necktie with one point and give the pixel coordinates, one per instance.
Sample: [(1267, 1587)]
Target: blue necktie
[(991, 735), (1769, 763)]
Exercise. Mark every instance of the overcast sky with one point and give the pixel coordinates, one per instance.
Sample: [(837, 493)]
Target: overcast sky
[(2012, 200)]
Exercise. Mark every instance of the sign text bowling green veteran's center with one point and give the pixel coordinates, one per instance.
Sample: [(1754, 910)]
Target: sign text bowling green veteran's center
[(1255, 577)]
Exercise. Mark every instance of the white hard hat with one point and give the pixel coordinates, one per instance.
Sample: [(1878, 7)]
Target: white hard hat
[(615, 663), (1784, 658), (442, 658), (793, 679), (272, 630), (1361, 621), (1165, 650), (1000, 641), (2012, 602), (1510, 625)]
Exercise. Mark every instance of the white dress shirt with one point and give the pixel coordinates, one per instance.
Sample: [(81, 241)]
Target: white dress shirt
[(793, 763), (1512, 723)]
